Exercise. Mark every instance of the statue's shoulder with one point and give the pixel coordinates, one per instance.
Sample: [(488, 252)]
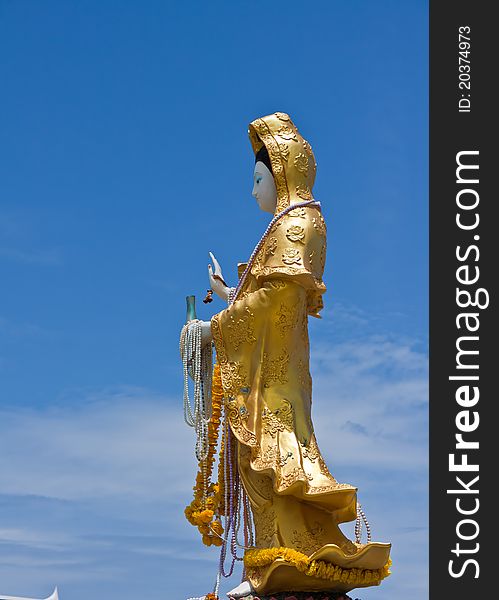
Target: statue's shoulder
[(306, 219)]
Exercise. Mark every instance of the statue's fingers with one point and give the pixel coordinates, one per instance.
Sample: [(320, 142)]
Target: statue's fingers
[(218, 268)]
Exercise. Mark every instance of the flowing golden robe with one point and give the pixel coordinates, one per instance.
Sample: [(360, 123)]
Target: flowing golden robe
[(262, 347)]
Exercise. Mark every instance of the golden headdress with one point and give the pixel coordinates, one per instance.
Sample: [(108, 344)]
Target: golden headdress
[(291, 156)]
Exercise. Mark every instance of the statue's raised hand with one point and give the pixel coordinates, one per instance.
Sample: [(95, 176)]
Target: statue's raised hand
[(217, 283)]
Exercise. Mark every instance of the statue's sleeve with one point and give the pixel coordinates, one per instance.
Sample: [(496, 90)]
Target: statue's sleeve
[(261, 342)]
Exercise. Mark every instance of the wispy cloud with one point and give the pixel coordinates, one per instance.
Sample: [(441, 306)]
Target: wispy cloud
[(370, 400), (112, 442), (33, 539)]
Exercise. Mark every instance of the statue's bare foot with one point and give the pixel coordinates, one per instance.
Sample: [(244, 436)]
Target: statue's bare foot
[(243, 589)]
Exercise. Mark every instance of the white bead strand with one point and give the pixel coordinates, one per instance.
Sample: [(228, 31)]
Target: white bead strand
[(197, 362), (361, 518)]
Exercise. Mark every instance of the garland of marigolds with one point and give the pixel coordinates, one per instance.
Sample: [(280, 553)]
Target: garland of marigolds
[(262, 557), (207, 502), (225, 498)]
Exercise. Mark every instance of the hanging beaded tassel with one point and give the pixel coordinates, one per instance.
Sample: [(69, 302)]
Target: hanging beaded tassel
[(361, 518), (197, 363)]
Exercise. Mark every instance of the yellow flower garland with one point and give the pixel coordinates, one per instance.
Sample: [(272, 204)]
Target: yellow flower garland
[(207, 496), (256, 557)]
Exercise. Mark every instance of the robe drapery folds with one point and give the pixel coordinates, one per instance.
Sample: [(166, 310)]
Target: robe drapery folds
[(262, 347)]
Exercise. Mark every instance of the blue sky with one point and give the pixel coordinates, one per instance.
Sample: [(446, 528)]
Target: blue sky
[(124, 160)]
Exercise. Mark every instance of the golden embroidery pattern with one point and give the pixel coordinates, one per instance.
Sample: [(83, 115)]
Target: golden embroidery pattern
[(257, 263), (217, 338), (283, 142), (266, 270), (234, 377), (284, 151), (297, 212), (236, 421), (311, 451), (295, 233), (304, 377), (323, 256), (275, 284), (309, 541), (287, 133), (240, 330), (303, 191), (291, 256), (308, 147), (287, 317), (275, 369), (329, 488), (278, 420), (301, 163), (285, 457), (260, 270), (296, 474), (265, 459), (270, 247), (319, 224), (311, 259), (265, 527)]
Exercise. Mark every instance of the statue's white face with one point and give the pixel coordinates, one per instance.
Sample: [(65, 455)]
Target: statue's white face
[(264, 189)]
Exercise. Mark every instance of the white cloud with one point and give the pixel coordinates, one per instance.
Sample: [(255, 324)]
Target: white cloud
[(33, 539), (124, 441), (370, 402)]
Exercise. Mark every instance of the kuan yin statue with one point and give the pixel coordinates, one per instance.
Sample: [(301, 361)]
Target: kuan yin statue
[(272, 502)]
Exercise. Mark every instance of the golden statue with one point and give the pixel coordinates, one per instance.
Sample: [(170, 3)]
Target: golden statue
[(273, 484)]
